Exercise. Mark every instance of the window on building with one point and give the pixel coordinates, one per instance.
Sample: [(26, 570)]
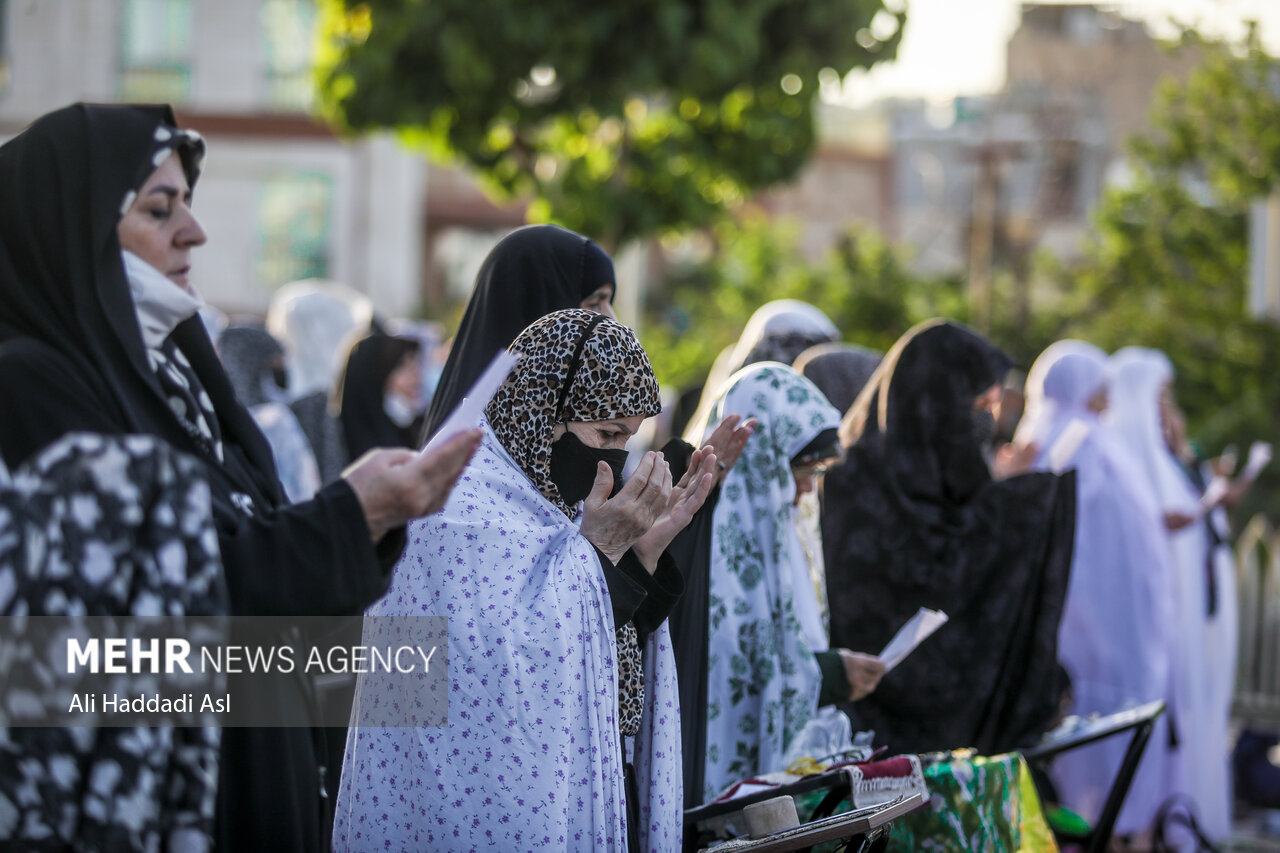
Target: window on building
[(294, 225), (289, 29), (155, 50)]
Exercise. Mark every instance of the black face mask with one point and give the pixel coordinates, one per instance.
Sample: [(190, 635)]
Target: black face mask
[(573, 467), (984, 429)]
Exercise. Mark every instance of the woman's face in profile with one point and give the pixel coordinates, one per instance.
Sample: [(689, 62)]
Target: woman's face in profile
[(159, 226), (600, 301)]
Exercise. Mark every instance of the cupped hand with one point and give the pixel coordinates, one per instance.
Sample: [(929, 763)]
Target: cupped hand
[(686, 498), (395, 486), (614, 524)]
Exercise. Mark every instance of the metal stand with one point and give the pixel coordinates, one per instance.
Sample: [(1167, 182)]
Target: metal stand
[(1141, 721)]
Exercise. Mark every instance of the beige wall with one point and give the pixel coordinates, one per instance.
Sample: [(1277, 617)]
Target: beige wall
[(68, 50), (1121, 67)]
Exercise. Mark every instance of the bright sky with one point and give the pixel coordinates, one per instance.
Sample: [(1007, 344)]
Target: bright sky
[(957, 47)]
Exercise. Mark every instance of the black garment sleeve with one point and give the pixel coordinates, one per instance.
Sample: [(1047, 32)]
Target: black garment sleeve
[(310, 559), (835, 683), (677, 452), (639, 597), (315, 558), (625, 590), (663, 589)]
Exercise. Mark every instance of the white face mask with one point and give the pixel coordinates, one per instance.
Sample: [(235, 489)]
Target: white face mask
[(160, 304), (399, 408)]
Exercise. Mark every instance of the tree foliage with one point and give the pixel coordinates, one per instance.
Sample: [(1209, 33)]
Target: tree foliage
[(1168, 267), (619, 119), (864, 285)]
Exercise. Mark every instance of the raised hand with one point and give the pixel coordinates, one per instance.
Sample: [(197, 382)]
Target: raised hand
[(614, 524), (1011, 460), (687, 497), (727, 441)]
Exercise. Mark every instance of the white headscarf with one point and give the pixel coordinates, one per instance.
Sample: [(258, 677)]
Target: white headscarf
[(160, 304), (1058, 389), (1137, 376), (316, 321), (1201, 711), (778, 318), (1117, 625)]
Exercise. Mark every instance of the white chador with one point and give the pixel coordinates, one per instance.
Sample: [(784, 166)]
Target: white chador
[(1204, 648), (1118, 621), (531, 758)]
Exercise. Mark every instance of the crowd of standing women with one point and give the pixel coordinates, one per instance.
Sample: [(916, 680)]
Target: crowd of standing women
[(629, 634)]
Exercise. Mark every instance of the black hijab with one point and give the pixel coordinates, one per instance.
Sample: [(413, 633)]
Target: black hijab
[(64, 183), (913, 519), (839, 370), (530, 273), (361, 389)]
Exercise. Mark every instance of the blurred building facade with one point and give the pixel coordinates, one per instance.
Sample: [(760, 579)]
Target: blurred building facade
[(281, 197), (994, 178), (979, 183)]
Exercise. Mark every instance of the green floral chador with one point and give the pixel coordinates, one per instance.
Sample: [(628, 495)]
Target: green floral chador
[(763, 681)]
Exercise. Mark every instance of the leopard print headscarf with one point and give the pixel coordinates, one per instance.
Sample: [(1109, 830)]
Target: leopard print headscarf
[(613, 380)]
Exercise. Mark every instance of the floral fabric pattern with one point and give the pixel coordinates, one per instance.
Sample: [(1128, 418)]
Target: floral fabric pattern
[(981, 805), (107, 527), (763, 681), (532, 756)]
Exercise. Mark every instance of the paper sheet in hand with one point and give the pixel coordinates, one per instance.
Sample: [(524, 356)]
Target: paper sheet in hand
[(1259, 456), (910, 635), (1213, 493), (1064, 449), (466, 415)]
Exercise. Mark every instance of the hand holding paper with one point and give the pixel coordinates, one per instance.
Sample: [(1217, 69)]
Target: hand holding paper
[(1259, 456), (912, 634), (466, 415), (1221, 488)]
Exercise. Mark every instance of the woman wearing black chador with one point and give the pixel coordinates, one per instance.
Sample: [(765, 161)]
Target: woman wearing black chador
[(99, 333)]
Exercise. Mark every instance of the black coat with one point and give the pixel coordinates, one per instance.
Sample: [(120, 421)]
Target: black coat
[(72, 359)]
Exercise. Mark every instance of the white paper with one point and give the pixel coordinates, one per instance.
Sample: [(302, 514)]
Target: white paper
[(910, 635), (1069, 441), (1213, 493), (466, 415), (1259, 456)]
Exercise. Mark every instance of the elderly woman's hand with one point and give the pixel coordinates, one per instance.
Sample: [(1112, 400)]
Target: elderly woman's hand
[(863, 672), (397, 486), (614, 524), (686, 499)]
